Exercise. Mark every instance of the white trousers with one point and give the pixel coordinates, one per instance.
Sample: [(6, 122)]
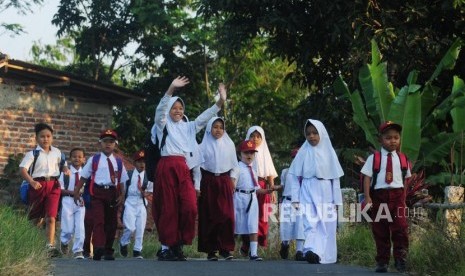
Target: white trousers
[(72, 223), (134, 219)]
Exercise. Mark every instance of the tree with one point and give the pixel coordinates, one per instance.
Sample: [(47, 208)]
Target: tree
[(22, 7)]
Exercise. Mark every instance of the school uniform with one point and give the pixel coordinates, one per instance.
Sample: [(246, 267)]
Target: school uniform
[(135, 211), (175, 202), (314, 178), (393, 195), (216, 208), (72, 215), (290, 219), (103, 202), (246, 208), (44, 201), (263, 164)]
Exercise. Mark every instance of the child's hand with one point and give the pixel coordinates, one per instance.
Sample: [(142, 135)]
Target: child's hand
[(222, 91), (36, 185), (66, 171), (180, 82)]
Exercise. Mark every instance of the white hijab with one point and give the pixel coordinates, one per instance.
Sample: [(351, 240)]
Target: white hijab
[(263, 162), (181, 133), (219, 154), (317, 161)]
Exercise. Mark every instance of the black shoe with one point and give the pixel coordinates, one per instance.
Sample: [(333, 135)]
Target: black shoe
[(87, 255), (98, 253), (226, 255), (158, 252), (109, 257), (255, 258), (299, 256), (167, 255), (381, 268), (123, 250), (284, 251), (312, 258), (212, 256), (400, 265), (136, 254), (64, 248)]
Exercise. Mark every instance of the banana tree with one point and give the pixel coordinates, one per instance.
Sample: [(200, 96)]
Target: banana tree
[(414, 106)]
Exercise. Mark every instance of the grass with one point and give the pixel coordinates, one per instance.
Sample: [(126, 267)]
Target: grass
[(23, 246)]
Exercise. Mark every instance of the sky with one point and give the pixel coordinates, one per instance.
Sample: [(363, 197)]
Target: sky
[(38, 26)]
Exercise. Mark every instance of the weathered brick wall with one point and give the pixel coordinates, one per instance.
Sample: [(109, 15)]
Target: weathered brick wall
[(76, 120)]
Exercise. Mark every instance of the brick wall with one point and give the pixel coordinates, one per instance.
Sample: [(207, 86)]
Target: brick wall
[(77, 121)]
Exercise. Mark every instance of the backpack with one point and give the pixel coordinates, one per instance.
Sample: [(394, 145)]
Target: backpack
[(153, 154), (144, 185), (404, 165), (24, 187), (89, 186)]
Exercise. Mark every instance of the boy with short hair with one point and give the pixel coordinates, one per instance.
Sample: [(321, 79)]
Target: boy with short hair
[(245, 198), (387, 194), (107, 193), (44, 193), (72, 215), (135, 212)]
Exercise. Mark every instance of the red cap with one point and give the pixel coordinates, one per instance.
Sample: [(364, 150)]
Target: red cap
[(294, 152), (247, 145), (388, 125), (138, 155), (108, 133)]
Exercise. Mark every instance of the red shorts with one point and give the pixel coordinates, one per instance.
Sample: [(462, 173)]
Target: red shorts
[(44, 201)]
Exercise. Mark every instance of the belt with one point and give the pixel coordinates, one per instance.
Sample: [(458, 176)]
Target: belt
[(287, 198), (46, 178), (245, 191), (106, 187), (215, 174), (69, 195)]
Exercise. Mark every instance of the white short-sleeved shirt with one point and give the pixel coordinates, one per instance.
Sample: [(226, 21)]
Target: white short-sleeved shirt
[(47, 164), (72, 178), (245, 181), (397, 181), (102, 175)]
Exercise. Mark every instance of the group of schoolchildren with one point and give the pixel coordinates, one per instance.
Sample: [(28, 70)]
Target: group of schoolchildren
[(229, 197)]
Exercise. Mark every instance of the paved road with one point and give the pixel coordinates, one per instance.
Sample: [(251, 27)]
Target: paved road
[(194, 267)]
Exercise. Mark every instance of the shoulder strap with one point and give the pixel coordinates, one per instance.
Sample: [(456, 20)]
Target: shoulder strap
[(145, 182), (163, 139), (62, 161), (119, 164), (128, 183), (404, 164), (66, 181), (36, 153), (376, 167), (95, 161)]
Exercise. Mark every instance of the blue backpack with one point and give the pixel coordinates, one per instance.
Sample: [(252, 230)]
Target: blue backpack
[(24, 188)]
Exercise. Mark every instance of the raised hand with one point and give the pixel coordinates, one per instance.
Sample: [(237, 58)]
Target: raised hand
[(180, 82), (222, 91)]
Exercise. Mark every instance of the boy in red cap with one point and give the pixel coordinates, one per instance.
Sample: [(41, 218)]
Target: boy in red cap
[(106, 188), (386, 193), (44, 193), (245, 198), (135, 207)]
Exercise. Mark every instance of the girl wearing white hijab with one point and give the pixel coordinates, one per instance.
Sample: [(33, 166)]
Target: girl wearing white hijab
[(216, 209), (266, 172), (317, 165), (174, 199)]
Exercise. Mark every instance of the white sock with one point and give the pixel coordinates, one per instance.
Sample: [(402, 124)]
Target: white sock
[(300, 245), (164, 247), (253, 248)]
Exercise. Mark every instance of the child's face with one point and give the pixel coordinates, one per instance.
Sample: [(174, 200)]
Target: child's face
[(44, 138), (177, 111), (312, 136), (108, 146), (256, 137), (247, 157), (217, 129), (77, 158), (140, 165), (390, 140)]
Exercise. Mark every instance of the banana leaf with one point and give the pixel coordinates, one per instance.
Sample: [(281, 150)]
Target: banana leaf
[(449, 59), (444, 179), (438, 147), (428, 100), (411, 126), (458, 109)]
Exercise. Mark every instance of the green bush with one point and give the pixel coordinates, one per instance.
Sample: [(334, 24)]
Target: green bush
[(356, 245), (23, 246)]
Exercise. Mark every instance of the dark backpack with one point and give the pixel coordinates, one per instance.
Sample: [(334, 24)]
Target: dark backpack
[(153, 154), (144, 185), (404, 165), (89, 186)]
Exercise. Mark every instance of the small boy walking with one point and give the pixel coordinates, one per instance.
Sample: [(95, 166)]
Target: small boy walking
[(245, 198), (44, 195), (135, 207), (72, 215), (107, 193), (386, 193)]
